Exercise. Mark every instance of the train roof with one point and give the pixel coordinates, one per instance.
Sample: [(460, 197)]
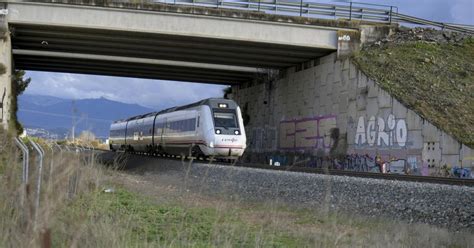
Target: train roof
[(172, 109)]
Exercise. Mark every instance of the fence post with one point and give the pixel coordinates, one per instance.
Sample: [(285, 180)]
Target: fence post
[(390, 18), (24, 178), (350, 11), (26, 155), (51, 168), (301, 8), (38, 182)]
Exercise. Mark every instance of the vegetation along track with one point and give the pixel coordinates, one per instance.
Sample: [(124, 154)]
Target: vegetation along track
[(294, 168)]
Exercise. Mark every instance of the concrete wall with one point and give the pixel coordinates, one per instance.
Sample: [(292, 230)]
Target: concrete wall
[(5, 79), (301, 112)]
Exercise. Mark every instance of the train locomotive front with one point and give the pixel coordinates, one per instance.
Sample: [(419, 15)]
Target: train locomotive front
[(211, 127), (224, 130)]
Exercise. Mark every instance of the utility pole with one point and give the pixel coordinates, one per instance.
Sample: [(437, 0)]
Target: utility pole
[(74, 112)]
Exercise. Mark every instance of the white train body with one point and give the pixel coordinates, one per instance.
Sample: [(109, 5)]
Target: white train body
[(211, 127)]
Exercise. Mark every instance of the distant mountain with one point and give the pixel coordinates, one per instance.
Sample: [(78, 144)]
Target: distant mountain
[(41, 100), (54, 114)]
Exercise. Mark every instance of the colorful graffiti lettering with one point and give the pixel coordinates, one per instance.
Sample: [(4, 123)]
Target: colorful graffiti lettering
[(379, 132), (307, 133)]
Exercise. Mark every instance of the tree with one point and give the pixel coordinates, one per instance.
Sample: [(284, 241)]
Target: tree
[(19, 85), (227, 91), (20, 82)]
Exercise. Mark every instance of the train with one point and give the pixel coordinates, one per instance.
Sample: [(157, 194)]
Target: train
[(208, 128)]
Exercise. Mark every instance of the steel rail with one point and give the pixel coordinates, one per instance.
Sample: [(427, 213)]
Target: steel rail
[(396, 177)]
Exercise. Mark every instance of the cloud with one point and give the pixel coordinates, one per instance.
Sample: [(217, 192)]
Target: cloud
[(149, 93), (462, 11)]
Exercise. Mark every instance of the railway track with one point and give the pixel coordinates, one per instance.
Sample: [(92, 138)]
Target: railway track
[(397, 177)]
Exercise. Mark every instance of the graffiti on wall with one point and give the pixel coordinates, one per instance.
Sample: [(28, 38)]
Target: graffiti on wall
[(380, 132), (380, 163), (307, 133), (262, 139)]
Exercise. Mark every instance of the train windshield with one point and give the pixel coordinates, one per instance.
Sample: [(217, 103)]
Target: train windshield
[(225, 119)]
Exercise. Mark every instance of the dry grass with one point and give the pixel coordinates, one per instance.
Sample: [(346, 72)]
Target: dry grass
[(76, 212), (66, 176)]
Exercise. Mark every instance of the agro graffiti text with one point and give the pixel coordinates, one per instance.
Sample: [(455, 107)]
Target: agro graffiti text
[(379, 132)]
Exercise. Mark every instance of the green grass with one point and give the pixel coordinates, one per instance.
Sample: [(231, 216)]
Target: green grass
[(434, 80), (141, 222)]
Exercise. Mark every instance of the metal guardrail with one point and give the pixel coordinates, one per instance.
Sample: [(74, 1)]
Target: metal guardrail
[(401, 18), (311, 9), (350, 10)]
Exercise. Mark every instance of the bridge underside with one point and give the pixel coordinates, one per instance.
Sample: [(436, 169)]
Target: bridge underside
[(146, 55)]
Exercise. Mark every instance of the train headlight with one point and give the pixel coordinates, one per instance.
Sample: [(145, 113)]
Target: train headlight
[(218, 131), (236, 132), (211, 144)]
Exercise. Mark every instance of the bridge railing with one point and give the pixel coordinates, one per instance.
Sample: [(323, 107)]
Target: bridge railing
[(349, 10), (310, 9), (359, 11), (419, 21)]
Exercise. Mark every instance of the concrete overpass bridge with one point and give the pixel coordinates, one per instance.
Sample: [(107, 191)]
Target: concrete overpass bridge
[(118, 41), (158, 41)]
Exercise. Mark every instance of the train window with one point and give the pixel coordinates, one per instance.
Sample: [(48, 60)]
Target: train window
[(186, 125), (180, 126), (225, 119), (193, 124)]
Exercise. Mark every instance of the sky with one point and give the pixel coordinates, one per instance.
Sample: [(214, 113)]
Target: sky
[(154, 93), (145, 92)]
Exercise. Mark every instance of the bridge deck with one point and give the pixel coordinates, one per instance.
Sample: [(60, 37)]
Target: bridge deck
[(99, 40)]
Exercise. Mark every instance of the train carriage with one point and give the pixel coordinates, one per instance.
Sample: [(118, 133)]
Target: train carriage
[(211, 127)]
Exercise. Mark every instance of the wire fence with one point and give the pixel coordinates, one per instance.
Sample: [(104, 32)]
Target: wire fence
[(32, 195)]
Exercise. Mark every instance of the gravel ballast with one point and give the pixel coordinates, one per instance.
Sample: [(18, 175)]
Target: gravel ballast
[(441, 205)]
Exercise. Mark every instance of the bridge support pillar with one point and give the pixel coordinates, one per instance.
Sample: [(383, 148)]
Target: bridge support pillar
[(5, 72)]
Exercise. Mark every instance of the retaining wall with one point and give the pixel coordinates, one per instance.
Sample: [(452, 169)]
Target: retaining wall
[(330, 107)]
